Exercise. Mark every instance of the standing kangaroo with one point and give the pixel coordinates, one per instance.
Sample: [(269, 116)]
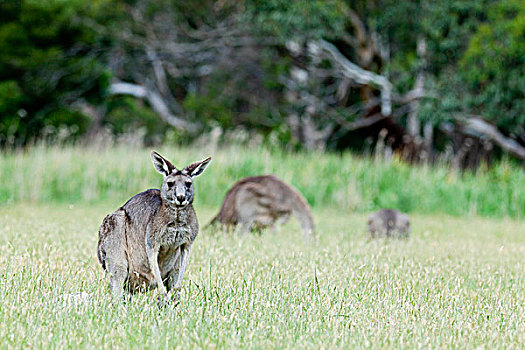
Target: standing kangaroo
[(261, 201), (146, 243), (389, 223)]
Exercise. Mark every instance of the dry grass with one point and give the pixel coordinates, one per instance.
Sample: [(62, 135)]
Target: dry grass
[(457, 283)]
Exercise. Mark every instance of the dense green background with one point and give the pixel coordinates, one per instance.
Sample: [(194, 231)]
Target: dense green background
[(55, 53)]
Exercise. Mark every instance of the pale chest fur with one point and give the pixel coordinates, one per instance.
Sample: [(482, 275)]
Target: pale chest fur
[(176, 234), (178, 228)]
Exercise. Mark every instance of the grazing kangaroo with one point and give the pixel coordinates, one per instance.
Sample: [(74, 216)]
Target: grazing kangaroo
[(146, 243), (262, 201), (389, 223)]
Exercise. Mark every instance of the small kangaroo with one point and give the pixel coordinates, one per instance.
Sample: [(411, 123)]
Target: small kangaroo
[(147, 242), (262, 201), (389, 223)]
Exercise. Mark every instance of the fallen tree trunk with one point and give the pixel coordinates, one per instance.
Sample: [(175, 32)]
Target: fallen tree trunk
[(488, 130), (154, 99)]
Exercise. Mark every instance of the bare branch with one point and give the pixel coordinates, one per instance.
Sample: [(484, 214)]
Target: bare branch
[(127, 89), (413, 122), (360, 75), (154, 99), (363, 44), (362, 123), (479, 125), (358, 25), (414, 94)]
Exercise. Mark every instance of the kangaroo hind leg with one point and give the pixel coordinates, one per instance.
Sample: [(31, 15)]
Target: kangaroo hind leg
[(116, 261)]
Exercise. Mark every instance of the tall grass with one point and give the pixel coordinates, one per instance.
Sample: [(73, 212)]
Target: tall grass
[(92, 174), (455, 284)]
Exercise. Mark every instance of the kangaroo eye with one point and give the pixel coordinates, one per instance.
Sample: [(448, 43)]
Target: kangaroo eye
[(170, 184)]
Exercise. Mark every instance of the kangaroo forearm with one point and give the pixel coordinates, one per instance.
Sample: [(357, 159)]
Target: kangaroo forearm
[(154, 265), (185, 258), (152, 251)]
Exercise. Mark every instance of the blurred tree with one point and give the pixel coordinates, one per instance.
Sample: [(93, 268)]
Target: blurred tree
[(458, 36), (493, 67), (47, 64), (417, 77)]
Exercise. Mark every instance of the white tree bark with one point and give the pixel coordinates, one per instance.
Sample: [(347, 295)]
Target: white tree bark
[(413, 123), (154, 99), (491, 132), (360, 75)]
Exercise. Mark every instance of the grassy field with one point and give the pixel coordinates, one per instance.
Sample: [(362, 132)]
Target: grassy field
[(456, 283), (74, 175)]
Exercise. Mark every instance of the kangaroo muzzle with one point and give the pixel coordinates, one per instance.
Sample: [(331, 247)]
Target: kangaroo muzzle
[(180, 195)]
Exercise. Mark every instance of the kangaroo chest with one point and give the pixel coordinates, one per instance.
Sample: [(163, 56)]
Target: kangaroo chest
[(175, 234)]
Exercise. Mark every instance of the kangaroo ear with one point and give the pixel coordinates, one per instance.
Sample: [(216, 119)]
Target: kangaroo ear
[(161, 164), (195, 169)]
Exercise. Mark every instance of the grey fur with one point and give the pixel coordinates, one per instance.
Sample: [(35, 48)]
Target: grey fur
[(147, 242), (261, 201), (389, 223)]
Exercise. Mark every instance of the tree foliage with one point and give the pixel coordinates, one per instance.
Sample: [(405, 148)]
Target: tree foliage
[(300, 73), (47, 62), (493, 66)]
